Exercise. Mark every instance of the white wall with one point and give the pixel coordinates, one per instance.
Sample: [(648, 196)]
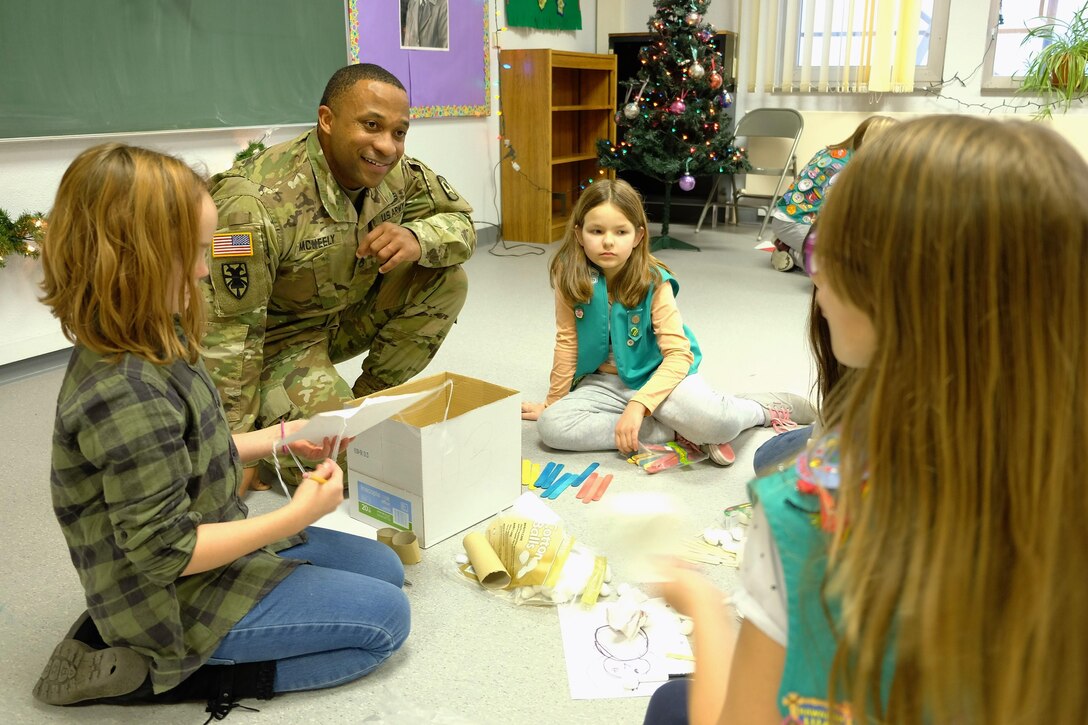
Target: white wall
[(464, 150)]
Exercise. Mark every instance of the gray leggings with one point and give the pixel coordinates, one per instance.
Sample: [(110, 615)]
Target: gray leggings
[(585, 419)]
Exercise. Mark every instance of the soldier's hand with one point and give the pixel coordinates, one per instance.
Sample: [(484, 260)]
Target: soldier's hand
[(392, 244)]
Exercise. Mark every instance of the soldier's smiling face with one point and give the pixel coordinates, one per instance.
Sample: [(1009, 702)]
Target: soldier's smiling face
[(362, 132)]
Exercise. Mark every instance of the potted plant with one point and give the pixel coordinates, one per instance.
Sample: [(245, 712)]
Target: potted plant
[(1057, 73)]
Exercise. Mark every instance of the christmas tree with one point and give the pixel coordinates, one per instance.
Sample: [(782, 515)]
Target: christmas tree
[(674, 117)]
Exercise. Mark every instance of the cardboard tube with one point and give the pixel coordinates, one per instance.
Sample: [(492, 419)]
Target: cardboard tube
[(386, 535), (406, 546), (489, 570)]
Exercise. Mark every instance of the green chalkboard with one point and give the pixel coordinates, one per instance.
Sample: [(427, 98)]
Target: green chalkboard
[(72, 67)]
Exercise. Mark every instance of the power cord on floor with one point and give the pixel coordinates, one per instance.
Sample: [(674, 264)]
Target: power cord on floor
[(518, 249)]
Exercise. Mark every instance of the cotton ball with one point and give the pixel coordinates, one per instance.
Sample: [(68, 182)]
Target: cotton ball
[(711, 537), (608, 574), (687, 626), (461, 559), (605, 590)]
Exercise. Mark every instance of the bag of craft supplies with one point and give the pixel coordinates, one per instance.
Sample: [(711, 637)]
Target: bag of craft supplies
[(654, 458)]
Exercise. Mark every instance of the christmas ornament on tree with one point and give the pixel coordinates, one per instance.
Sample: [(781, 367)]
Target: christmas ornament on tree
[(726, 99), (680, 132), (22, 236), (630, 111)]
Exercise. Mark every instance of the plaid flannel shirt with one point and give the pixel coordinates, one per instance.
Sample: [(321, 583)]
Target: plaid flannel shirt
[(142, 454)]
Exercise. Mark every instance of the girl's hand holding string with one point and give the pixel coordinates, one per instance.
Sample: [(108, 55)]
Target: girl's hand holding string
[(320, 492), (628, 426), (531, 411)]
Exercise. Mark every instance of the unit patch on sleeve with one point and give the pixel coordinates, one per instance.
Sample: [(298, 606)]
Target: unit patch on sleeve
[(232, 244), (453, 196), (236, 278)]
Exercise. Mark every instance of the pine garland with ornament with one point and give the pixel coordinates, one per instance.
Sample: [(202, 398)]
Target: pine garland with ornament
[(21, 236), (675, 119)]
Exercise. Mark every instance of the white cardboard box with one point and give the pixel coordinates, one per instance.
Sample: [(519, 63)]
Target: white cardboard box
[(435, 475)]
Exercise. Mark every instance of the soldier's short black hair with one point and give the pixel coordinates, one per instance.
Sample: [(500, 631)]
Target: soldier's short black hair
[(345, 79)]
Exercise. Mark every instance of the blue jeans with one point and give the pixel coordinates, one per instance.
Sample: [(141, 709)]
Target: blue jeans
[(669, 704), (329, 623), (783, 448)]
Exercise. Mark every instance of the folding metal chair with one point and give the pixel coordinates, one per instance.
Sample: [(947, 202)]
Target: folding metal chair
[(785, 124)]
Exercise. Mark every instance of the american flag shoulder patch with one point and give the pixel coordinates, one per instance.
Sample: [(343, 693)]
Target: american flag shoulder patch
[(232, 244)]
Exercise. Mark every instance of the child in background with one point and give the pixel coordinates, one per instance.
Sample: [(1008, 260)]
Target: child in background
[(782, 449), (625, 366), (796, 210), (925, 559), (185, 597)]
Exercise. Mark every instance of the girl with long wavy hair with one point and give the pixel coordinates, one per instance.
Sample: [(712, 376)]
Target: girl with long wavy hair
[(924, 561)]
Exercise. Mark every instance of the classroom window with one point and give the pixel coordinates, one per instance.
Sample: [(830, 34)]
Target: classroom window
[(848, 45), (1007, 54)]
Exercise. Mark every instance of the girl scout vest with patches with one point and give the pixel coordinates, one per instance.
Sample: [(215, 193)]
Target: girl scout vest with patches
[(797, 502), (629, 330), (802, 200)]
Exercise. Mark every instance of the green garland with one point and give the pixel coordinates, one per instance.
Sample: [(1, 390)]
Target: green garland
[(21, 236), (255, 147)]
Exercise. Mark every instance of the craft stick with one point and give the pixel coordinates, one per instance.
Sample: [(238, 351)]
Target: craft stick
[(552, 477), (587, 489), (536, 472), (584, 474), (539, 481), (526, 471), (561, 485), (590, 493), (602, 487)]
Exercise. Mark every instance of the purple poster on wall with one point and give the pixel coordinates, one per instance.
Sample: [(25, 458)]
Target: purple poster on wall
[(437, 48)]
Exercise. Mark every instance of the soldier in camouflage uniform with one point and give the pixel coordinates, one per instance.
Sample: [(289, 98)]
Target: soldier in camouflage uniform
[(329, 245)]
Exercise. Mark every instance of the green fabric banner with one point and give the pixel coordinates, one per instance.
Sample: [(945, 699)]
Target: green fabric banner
[(544, 14)]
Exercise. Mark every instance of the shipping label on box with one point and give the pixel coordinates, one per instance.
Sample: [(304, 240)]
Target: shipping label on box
[(444, 464)]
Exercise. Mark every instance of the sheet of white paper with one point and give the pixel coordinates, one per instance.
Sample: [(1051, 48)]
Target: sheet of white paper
[(602, 665), (350, 422)]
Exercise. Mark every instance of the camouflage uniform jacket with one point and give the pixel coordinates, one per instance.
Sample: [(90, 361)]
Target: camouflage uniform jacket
[(142, 455), (302, 271)]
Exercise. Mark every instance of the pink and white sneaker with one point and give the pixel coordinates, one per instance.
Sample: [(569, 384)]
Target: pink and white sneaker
[(720, 453)]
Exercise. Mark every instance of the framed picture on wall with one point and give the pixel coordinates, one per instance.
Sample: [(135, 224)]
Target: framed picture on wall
[(437, 48)]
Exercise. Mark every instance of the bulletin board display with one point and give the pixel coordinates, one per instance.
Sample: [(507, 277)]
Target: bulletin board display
[(446, 74), (73, 67)]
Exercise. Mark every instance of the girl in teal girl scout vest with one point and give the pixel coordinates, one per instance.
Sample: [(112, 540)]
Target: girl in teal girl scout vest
[(626, 366), (924, 561)]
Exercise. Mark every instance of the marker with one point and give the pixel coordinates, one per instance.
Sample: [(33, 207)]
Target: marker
[(317, 478)]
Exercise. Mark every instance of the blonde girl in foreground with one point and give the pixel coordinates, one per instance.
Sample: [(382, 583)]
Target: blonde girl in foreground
[(626, 366), (925, 560)]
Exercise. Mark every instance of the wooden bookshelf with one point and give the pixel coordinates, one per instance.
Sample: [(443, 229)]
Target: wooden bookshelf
[(556, 104)]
